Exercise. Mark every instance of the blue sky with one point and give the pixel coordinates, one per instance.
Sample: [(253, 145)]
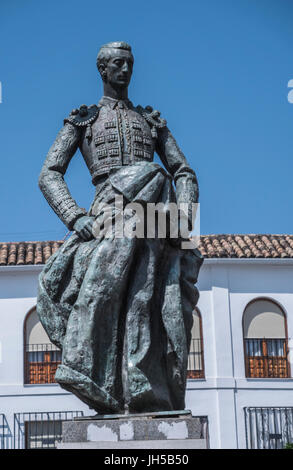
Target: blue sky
[(216, 69)]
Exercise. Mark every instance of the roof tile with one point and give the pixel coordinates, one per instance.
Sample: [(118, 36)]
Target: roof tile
[(211, 246)]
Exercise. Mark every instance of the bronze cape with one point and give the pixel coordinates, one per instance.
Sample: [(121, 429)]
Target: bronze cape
[(121, 308)]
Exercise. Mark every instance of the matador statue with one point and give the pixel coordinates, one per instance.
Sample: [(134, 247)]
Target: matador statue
[(119, 308)]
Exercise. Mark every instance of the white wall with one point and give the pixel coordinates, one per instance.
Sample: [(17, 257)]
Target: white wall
[(226, 287), (18, 291)]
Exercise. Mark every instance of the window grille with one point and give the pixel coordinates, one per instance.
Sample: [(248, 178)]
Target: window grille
[(5, 433), (40, 430), (266, 358), (40, 363), (195, 367), (268, 427)]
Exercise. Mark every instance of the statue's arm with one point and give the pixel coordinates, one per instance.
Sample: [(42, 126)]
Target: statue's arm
[(175, 162), (51, 180)]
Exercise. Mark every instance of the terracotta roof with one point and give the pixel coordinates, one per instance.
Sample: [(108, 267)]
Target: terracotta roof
[(27, 253), (211, 246), (246, 246)]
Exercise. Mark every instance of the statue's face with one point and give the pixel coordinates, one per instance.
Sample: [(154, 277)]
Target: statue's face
[(118, 70)]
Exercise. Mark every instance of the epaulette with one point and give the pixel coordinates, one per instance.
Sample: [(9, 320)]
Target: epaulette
[(152, 116), (84, 117)]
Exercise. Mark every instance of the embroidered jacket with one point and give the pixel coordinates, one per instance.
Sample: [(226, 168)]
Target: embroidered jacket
[(110, 135)]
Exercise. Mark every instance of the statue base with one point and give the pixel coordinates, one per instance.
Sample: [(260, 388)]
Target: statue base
[(159, 430)]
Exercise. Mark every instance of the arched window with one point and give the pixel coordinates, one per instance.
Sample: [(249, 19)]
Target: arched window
[(41, 357), (195, 368), (265, 340)]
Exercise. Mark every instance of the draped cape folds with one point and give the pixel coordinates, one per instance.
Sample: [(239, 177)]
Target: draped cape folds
[(120, 309)]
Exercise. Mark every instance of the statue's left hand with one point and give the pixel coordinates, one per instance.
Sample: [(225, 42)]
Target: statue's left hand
[(83, 227)]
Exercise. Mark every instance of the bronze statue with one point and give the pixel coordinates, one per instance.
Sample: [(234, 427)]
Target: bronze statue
[(120, 308)]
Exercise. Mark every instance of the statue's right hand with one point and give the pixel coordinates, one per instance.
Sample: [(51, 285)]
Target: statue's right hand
[(83, 227)]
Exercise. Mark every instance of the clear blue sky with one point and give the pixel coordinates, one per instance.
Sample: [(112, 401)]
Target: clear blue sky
[(216, 69)]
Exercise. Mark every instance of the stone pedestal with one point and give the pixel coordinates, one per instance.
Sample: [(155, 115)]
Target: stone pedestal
[(162, 430)]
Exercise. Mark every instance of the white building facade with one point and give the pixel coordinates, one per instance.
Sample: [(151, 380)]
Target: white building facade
[(241, 359)]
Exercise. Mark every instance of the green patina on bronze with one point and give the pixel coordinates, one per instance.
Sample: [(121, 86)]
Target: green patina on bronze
[(119, 308)]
